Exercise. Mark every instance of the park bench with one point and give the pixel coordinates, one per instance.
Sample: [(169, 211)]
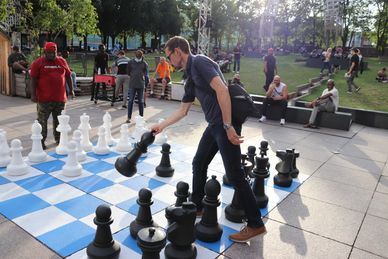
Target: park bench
[(158, 91)]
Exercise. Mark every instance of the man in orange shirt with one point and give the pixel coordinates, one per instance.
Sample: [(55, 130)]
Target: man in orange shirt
[(162, 75)]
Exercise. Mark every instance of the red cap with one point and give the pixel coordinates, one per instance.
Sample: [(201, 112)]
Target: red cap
[(50, 46)]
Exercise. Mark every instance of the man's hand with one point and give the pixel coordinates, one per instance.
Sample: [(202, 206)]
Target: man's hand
[(233, 137), (72, 94), (164, 81), (156, 129)]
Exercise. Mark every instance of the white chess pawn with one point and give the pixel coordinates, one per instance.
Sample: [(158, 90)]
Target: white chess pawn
[(162, 137), (107, 119), (77, 138), (85, 129), (102, 147), (72, 167), (17, 166), (64, 128), (5, 158), (37, 154), (123, 145)]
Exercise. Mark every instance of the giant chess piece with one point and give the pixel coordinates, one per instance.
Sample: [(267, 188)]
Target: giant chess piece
[(181, 233), (103, 245), (102, 147), (72, 167), (284, 167), (5, 157), (251, 154), (235, 212), (208, 229), (127, 165), (263, 150), (182, 194), (77, 138), (37, 154), (164, 169), (140, 128), (294, 170), (260, 172), (64, 128), (17, 166), (85, 128), (151, 241), (107, 119), (162, 137), (144, 216), (124, 145)]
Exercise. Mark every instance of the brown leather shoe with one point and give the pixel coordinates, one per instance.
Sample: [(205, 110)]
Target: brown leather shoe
[(247, 233), (308, 125)]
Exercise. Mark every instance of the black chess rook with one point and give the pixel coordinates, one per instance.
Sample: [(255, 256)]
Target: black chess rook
[(284, 167), (164, 169), (151, 241), (103, 245)]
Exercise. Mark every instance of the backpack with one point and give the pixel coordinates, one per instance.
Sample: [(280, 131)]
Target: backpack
[(242, 104)]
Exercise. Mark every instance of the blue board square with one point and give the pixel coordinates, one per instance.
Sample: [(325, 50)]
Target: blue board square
[(39, 182), (126, 239), (4, 180), (140, 182), (111, 154), (132, 207), (50, 166), (81, 206), (97, 166), (55, 155), (222, 244), (22, 205), (69, 238), (91, 183)]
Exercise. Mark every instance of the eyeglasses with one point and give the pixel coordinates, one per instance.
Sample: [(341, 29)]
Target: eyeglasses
[(168, 57)]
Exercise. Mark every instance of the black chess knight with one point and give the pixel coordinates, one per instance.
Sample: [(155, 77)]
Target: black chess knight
[(284, 167)]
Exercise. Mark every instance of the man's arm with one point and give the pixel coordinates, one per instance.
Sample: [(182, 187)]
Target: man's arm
[(351, 67), (270, 90), (284, 95), (173, 118), (70, 84), (224, 102), (33, 82), (265, 66)]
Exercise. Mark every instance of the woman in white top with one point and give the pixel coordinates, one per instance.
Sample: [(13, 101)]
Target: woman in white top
[(326, 60)]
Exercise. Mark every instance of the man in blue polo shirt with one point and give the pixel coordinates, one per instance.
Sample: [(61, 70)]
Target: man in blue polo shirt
[(207, 83)]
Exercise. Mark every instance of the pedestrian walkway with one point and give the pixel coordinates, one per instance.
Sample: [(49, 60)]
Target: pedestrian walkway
[(340, 211)]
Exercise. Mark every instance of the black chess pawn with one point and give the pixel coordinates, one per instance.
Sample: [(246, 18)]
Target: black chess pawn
[(151, 241), (260, 172), (182, 194), (263, 150), (283, 178), (208, 229), (294, 170), (127, 165), (164, 169), (235, 211), (103, 245), (144, 216), (181, 233)]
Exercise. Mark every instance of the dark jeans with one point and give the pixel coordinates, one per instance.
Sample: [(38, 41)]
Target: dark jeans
[(44, 110), (269, 101), (213, 139), (326, 65), (268, 79), (140, 97), (236, 65)]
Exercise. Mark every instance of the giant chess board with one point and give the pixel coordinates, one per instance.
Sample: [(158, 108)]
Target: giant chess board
[(59, 210)]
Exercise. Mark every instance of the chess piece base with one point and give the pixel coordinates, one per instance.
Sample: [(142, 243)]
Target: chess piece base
[(172, 252), (262, 201), (164, 172), (208, 234), (235, 215), (95, 252), (37, 158), (282, 180)]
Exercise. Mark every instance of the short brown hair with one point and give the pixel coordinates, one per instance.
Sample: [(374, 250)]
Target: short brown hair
[(178, 42)]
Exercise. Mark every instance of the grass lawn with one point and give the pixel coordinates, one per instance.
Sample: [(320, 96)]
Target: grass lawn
[(373, 95)]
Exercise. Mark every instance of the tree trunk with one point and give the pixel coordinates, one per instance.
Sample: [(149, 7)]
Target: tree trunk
[(86, 43), (125, 41)]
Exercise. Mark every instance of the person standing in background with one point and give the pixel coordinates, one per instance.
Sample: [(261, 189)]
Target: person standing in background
[(270, 68), (122, 78), (236, 58)]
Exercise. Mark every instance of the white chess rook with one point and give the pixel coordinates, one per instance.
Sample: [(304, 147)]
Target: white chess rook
[(72, 167), (37, 154), (77, 137), (5, 157), (85, 129), (17, 166), (107, 119), (102, 147), (64, 128), (123, 145)]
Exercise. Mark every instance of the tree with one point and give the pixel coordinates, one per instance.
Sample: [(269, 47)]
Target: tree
[(381, 25), (5, 10)]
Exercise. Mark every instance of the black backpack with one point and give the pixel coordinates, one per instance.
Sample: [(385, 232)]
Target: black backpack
[(242, 104)]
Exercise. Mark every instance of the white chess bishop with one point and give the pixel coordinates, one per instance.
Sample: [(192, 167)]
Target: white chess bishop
[(64, 128), (72, 167), (102, 147), (107, 119), (162, 137), (5, 157), (85, 129), (124, 145), (17, 166), (37, 154)]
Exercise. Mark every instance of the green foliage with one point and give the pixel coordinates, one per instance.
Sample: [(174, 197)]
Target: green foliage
[(5, 10)]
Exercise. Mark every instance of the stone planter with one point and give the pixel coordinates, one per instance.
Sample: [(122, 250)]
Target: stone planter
[(177, 91)]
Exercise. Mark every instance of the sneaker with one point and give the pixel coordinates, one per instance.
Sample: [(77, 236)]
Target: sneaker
[(349, 92), (308, 125), (247, 233), (262, 119), (282, 121), (358, 89), (124, 107), (128, 121)]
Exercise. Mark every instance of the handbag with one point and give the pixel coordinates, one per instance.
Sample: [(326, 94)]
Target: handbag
[(242, 104)]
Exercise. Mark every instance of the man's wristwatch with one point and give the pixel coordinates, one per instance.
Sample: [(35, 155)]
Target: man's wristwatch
[(227, 126)]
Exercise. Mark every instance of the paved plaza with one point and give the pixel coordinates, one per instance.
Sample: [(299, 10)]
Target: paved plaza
[(340, 211)]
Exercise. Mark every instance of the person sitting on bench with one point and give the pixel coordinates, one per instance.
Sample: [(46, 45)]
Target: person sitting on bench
[(162, 75), (277, 94), (17, 61), (328, 102), (382, 75)]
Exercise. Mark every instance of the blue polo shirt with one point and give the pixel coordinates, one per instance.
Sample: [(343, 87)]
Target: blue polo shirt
[(201, 70)]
